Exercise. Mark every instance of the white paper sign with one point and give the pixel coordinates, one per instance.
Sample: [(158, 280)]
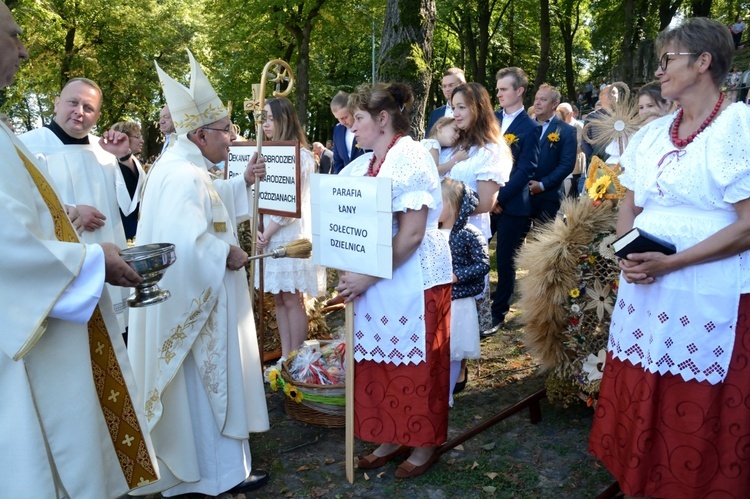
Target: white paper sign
[(352, 224), (280, 189)]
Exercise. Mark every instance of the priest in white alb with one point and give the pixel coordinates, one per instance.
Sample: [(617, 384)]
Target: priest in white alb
[(85, 171), (69, 424), (195, 356)]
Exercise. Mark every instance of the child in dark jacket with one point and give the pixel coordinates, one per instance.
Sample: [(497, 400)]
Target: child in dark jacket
[(471, 263)]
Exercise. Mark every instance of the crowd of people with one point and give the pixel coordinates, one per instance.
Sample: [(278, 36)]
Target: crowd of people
[(167, 396)]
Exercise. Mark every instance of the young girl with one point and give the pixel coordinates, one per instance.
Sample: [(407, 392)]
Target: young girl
[(289, 278), (471, 262), (651, 104), (442, 138)]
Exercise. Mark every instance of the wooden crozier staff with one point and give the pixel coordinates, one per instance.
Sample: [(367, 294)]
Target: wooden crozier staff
[(279, 71)]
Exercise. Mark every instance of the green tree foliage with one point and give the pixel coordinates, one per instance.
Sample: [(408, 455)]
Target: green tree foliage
[(329, 44), (113, 44)]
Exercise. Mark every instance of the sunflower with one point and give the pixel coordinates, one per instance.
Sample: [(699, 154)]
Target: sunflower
[(599, 188), (293, 393), (510, 139), (575, 293), (553, 137), (273, 379)]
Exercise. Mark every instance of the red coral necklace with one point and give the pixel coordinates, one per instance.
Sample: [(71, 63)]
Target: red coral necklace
[(371, 172), (678, 142)]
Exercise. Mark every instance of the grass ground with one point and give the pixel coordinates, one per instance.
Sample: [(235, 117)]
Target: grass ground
[(513, 459)]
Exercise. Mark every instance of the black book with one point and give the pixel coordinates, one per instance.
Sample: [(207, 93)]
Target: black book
[(639, 241)]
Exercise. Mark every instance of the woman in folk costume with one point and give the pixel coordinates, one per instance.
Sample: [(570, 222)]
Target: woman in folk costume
[(402, 355), (195, 355), (289, 278), (672, 418)]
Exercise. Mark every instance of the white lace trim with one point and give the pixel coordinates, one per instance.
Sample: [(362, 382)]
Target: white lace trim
[(709, 175)]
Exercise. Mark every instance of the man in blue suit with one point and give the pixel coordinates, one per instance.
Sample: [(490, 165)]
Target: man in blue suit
[(512, 211), (345, 148), (557, 155), (452, 78)]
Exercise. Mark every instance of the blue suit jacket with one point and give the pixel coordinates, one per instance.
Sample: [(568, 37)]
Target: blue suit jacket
[(556, 160), (341, 157), (434, 116), (514, 197)]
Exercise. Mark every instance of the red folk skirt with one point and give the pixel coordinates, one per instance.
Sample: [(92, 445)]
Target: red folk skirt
[(408, 404), (661, 436)]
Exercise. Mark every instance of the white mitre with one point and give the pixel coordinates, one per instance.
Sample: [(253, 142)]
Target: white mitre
[(193, 107)]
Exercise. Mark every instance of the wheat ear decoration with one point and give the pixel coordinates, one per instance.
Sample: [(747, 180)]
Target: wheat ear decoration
[(616, 125)]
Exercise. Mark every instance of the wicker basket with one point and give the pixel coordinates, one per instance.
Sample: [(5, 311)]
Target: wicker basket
[(314, 408)]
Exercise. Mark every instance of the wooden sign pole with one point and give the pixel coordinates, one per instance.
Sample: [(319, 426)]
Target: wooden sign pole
[(349, 339)]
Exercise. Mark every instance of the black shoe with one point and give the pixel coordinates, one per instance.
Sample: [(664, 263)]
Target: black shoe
[(492, 331), (462, 384), (255, 480)]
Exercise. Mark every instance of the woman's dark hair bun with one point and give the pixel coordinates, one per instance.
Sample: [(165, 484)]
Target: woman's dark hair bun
[(402, 95)]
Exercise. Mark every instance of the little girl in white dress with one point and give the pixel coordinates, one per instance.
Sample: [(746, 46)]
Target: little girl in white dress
[(470, 263), (439, 144), (289, 278)]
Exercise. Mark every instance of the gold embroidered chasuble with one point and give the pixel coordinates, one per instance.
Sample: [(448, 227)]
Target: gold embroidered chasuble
[(208, 318), (70, 424)]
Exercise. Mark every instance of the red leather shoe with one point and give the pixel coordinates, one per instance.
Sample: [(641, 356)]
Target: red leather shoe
[(408, 470), (371, 461)]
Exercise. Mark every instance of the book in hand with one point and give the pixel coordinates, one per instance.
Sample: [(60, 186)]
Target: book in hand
[(639, 241)]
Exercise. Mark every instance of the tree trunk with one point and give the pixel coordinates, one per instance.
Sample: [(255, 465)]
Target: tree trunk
[(70, 38), (568, 20), (544, 46), (469, 43), (485, 15), (406, 51), (667, 10), (701, 8), (628, 48), (301, 29)]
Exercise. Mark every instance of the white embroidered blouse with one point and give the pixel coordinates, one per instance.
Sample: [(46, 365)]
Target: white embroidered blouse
[(684, 323), (490, 162), (389, 321)]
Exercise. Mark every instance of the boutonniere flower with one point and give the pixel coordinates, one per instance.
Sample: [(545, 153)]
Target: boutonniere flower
[(510, 139), (553, 137), (356, 145)]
